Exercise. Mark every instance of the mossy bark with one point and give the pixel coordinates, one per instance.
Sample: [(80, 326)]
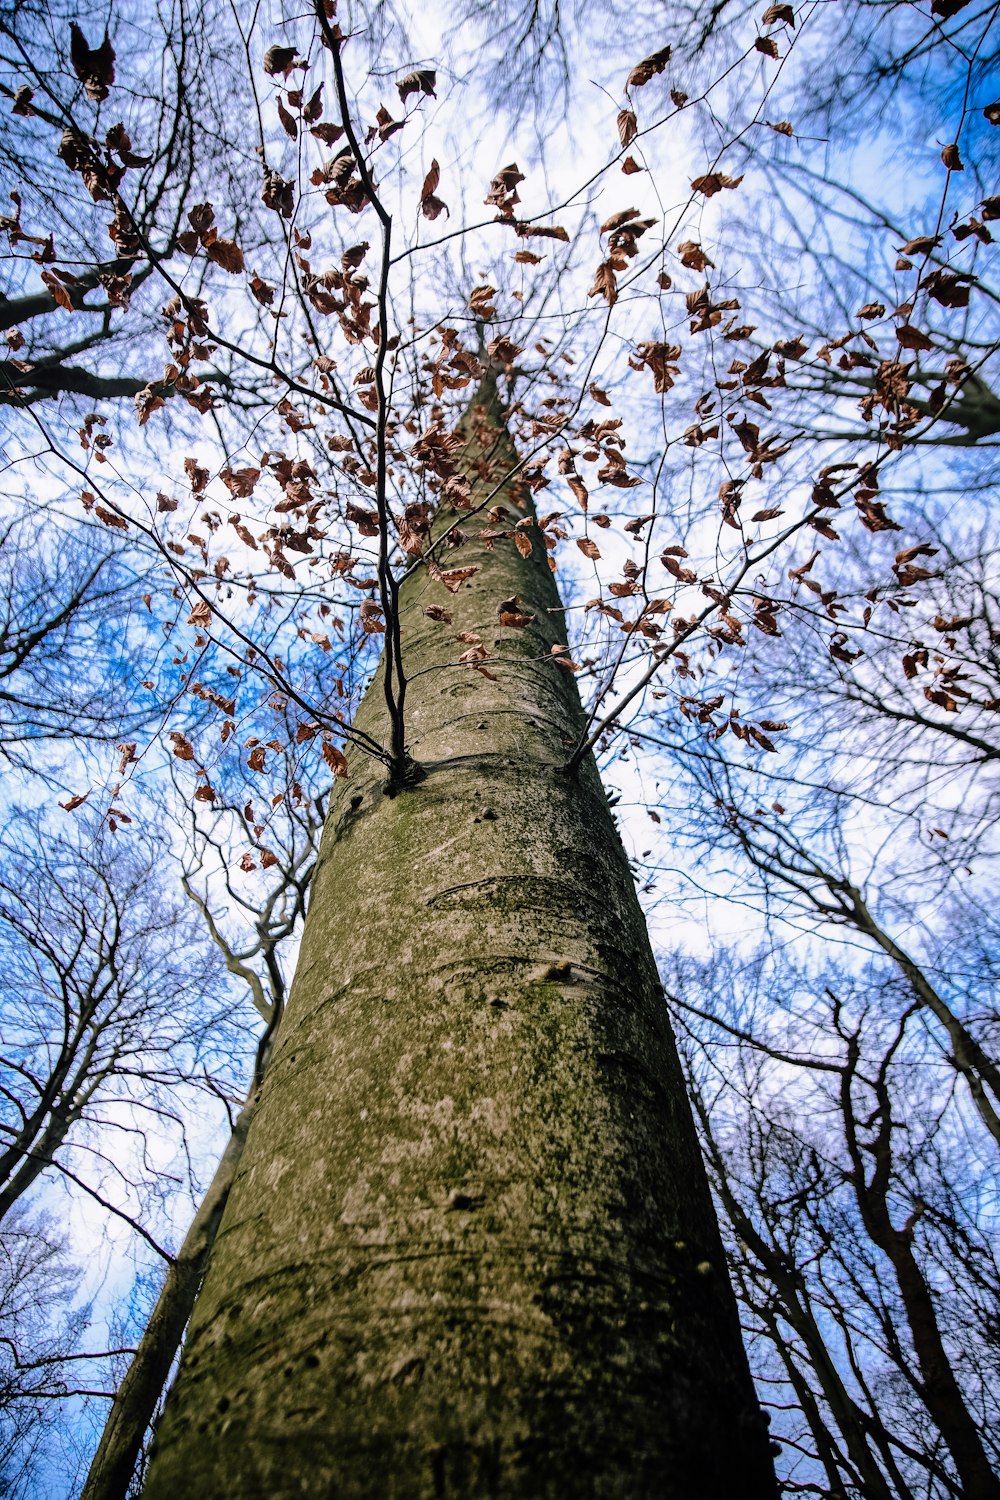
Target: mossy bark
[(471, 1250)]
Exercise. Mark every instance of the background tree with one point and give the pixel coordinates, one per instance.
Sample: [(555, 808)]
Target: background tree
[(101, 973), (37, 1285), (881, 1384), (66, 605)]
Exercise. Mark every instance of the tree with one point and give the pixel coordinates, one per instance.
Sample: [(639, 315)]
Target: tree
[(93, 354), (101, 971), (36, 1287), (507, 1139), (63, 608), (859, 1164), (518, 1089), (115, 1017)]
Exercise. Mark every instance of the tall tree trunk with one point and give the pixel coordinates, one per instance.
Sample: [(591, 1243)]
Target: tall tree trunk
[(470, 1250)]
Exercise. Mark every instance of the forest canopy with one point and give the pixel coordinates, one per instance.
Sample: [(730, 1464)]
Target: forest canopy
[(319, 320)]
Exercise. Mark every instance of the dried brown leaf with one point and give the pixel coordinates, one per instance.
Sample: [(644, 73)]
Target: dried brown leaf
[(420, 81), (561, 655), (94, 66), (110, 518), (503, 350), (605, 284), (278, 59), (623, 216), (579, 489), (278, 194), (201, 614), (453, 578), (693, 256), (481, 302), (628, 126), (912, 338), (335, 759), (648, 68), (287, 121), (430, 206), (542, 232), (240, 482), (57, 290), (713, 182), (227, 254)]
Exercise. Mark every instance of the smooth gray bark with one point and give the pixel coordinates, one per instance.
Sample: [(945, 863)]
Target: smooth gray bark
[(470, 1250)]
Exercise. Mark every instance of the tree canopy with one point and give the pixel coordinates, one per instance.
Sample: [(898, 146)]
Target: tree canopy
[(732, 270)]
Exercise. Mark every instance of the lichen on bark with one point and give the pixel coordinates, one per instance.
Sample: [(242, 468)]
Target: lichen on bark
[(471, 1250)]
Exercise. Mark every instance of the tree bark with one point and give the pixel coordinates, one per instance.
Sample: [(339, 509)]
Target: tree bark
[(470, 1250), (21, 388)]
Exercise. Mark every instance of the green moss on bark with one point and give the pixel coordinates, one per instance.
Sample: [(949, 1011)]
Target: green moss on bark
[(462, 1256)]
